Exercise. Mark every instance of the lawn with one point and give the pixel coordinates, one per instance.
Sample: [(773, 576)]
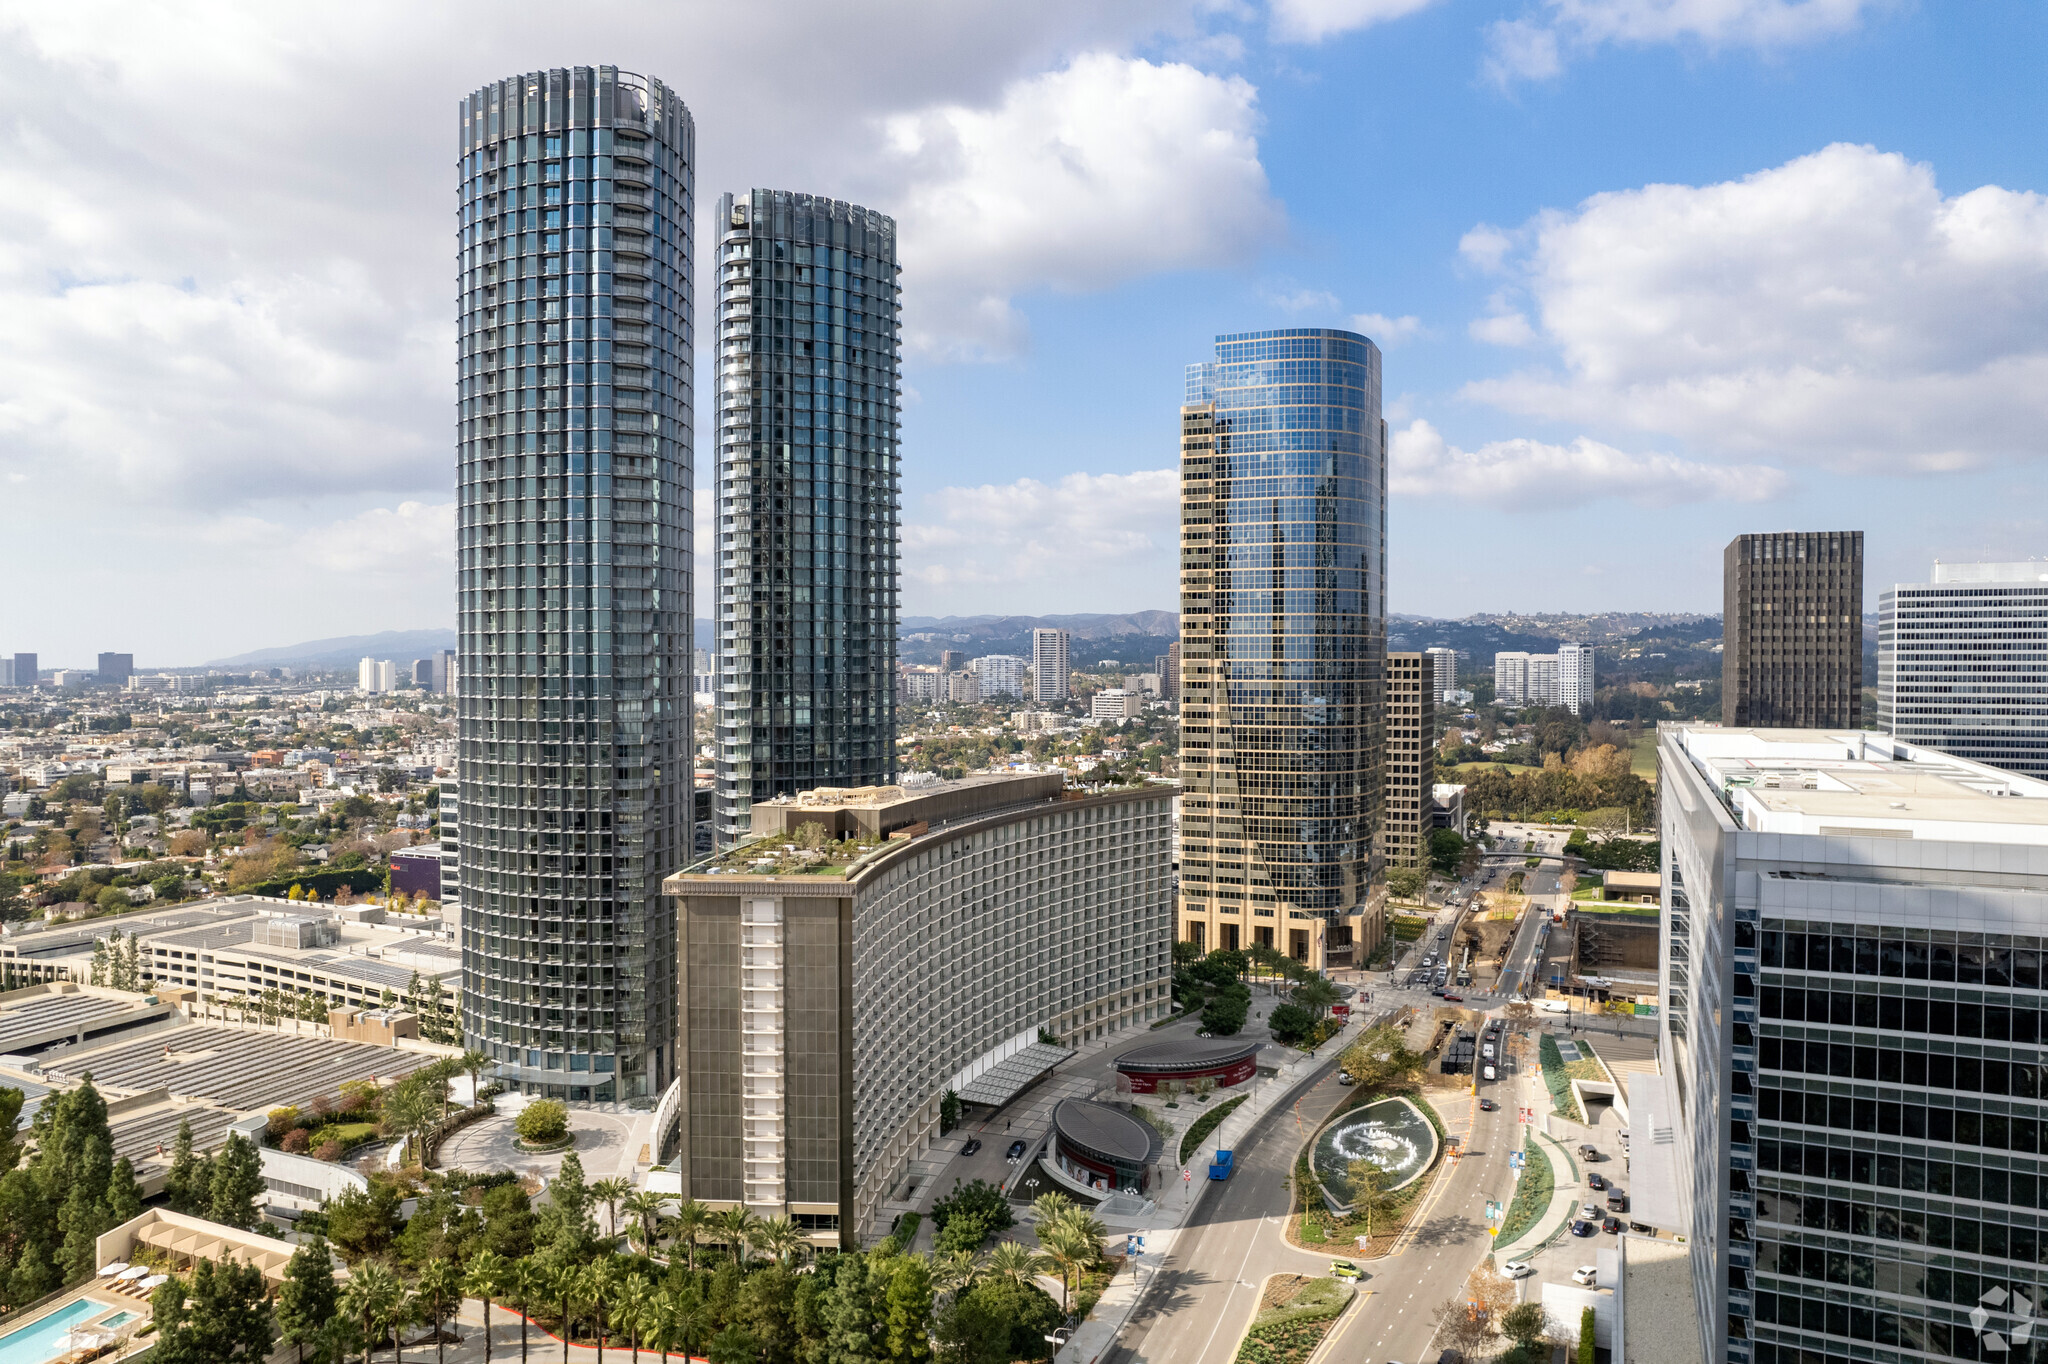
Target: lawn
[(1295, 1312), (1408, 927), (1642, 758)]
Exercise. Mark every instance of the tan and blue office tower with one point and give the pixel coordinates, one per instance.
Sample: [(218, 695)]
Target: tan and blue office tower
[(1283, 646), (573, 441)]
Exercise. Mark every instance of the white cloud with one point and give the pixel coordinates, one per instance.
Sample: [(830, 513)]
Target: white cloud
[(1053, 541), (1311, 21), (413, 537), (1486, 246), (1530, 48), (1836, 310), (1527, 473), (1307, 301), (1503, 325), (1386, 332), (1075, 180)]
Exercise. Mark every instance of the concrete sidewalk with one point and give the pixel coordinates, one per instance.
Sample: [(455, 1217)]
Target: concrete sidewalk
[(1174, 1208)]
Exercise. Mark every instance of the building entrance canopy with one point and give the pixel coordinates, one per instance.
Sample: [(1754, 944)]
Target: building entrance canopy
[(1013, 1075)]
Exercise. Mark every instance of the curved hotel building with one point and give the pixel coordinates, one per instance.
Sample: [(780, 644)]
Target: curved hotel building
[(573, 432), (829, 1008), (1283, 644), (807, 499)]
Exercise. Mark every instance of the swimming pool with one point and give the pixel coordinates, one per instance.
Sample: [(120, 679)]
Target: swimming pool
[(43, 1340)]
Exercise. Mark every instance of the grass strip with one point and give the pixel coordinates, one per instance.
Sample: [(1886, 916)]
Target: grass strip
[(1558, 1080), (1206, 1124), (1532, 1193)]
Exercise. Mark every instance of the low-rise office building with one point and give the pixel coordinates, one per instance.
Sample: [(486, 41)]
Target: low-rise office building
[(1851, 1044), (831, 998)]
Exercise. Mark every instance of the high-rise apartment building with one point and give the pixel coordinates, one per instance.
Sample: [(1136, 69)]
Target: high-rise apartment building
[(1443, 664), (952, 660), (1049, 670), (1575, 678), (26, 670), (808, 494), (1511, 677), (1000, 675), (1792, 630), (1411, 760), (1543, 681), (1169, 673), (1962, 663), (1850, 1103), (374, 675), (1283, 637), (444, 672), (575, 334), (116, 669)]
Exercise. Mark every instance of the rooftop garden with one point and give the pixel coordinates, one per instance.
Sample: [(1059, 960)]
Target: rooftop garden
[(808, 852)]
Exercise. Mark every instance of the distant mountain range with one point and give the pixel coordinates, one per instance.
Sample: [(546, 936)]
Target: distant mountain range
[(344, 651), (1138, 637)]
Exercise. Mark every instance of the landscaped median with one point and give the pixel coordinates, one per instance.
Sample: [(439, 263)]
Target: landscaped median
[(1295, 1313), (1532, 1194), (1206, 1124)]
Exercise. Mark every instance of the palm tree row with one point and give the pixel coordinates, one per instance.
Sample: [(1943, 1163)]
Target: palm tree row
[(1071, 1238)]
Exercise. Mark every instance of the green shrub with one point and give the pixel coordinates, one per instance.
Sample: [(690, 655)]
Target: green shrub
[(1586, 1336), (980, 1199), (1206, 1124), (542, 1121)]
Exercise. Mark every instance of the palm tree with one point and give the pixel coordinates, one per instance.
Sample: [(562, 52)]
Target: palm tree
[(1012, 1260), (645, 1208), (527, 1282), (609, 1192), (490, 1275), (736, 1225), (1065, 1249), (629, 1306), (473, 1063), (412, 1111), (779, 1236), (1316, 995), (692, 1218), (440, 1293), (374, 1295), (1047, 1207), (565, 1286), (952, 1271), (600, 1280)]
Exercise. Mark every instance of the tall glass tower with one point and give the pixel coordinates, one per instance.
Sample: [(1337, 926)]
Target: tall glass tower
[(807, 499), (574, 428), (1283, 644)]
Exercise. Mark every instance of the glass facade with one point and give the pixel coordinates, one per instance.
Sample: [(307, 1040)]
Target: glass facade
[(807, 499), (1283, 631), (574, 428)]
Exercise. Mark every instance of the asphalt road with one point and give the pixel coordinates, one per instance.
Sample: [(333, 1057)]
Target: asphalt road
[(1207, 1289)]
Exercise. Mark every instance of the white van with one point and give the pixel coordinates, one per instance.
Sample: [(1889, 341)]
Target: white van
[(1488, 1072), (1555, 1006)]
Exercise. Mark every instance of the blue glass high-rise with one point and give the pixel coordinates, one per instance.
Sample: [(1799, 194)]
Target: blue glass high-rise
[(574, 430), (1283, 643)]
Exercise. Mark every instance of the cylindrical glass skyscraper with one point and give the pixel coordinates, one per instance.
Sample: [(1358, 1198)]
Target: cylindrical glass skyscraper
[(807, 499), (1283, 643), (574, 316)]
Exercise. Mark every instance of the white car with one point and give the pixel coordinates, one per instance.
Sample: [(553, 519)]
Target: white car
[(1585, 1276), (1555, 1006), (1518, 1269)]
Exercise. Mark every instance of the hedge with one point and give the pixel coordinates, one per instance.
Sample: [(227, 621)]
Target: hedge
[(1206, 1124), (359, 880)]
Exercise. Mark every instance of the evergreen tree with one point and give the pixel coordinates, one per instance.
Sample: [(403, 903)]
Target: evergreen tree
[(230, 1312), (308, 1300), (185, 1188), (849, 1310), (10, 1126), (236, 1183), (908, 1317)]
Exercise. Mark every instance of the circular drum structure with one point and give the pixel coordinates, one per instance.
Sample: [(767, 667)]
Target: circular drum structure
[(1103, 1148), (1226, 1060)]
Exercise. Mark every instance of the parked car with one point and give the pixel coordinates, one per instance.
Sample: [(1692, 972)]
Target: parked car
[(1590, 1210), (1585, 1276), (1642, 1228), (1016, 1151), (1594, 1181), (1588, 1151), (1518, 1269), (973, 1145), (1611, 1225), (1583, 1228), (1617, 1199)]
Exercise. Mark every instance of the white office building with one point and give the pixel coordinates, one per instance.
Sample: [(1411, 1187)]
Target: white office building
[(1962, 663), (1443, 663), (1049, 668), (376, 675), (1115, 703), (1845, 1127), (1000, 674)]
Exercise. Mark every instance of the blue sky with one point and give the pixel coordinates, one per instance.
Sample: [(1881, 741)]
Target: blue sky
[(1647, 273)]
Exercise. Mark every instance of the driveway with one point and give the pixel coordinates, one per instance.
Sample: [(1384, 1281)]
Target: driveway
[(604, 1143)]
